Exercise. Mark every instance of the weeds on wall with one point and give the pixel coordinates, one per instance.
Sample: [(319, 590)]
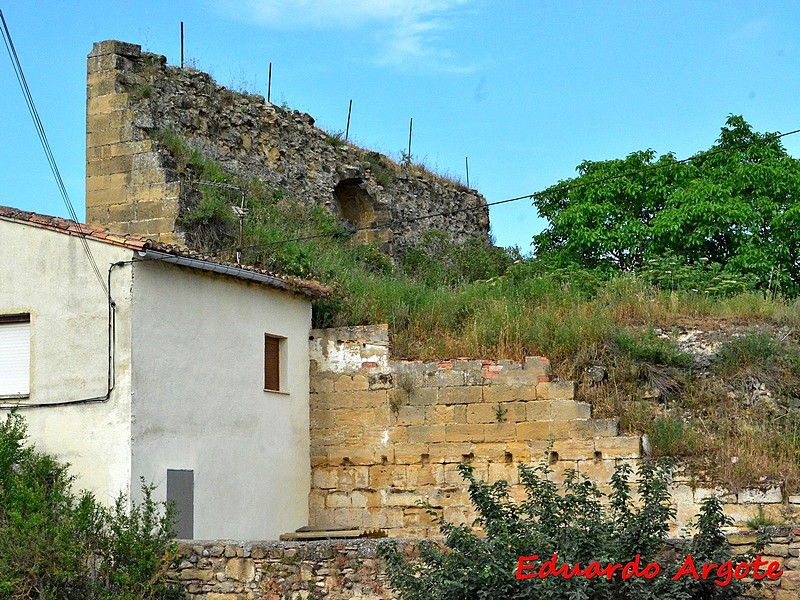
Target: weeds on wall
[(443, 299)]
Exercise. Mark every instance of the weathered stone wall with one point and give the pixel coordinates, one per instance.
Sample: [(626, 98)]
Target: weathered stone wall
[(128, 187), (350, 569), (132, 95), (386, 434)]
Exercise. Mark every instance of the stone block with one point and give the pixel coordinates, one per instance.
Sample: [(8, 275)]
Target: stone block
[(322, 419), (370, 399), (453, 452), (358, 418), (240, 569), (424, 434), (392, 498), (338, 500), (321, 384), (439, 414), (514, 412), (507, 472), (556, 390), (508, 393), (105, 197), (569, 410), (410, 454), (351, 383), (627, 446), (484, 413), (536, 430), (459, 413), (500, 432), (770, 495), (117, 181), (109, 166), (503, 452), (574, 449), (351, 455), (196, 574), (420, 475), (411, 415), (423, 396), (332, 400), (464, 433), (460, 395), (537, 410), (325, 478), (353, 478), (382, 477), (537, 366)]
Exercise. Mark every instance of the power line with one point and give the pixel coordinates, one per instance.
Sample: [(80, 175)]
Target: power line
[(554, 189), (40, 131)]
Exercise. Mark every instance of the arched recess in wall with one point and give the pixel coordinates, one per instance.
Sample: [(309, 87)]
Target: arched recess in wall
[(356, 205)]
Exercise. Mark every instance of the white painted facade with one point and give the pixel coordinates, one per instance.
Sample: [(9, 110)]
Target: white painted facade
[(188, 379)]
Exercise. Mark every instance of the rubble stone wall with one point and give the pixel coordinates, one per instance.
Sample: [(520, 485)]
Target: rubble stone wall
[(133, 95), (339, 569)]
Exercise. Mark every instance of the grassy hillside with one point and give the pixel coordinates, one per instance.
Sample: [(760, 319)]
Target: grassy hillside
[(729, 404)]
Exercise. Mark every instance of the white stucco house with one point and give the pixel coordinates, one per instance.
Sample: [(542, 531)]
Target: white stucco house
[(189, 373)]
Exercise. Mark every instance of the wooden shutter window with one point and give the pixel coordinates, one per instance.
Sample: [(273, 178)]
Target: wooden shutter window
[(272, 363)]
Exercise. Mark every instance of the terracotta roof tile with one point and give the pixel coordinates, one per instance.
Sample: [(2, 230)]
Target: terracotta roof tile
[(138, 243)]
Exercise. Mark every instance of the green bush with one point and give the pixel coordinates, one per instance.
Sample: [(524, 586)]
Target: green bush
[(55, 545), (577, 525)]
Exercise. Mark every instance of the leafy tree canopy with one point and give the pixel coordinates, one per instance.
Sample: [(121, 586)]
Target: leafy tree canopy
[(736, 205)]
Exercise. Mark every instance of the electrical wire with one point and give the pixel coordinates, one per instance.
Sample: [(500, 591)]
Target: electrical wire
[(40, 131), (554, 189)]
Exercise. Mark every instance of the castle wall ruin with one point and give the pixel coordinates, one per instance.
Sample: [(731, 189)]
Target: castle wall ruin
[(132, 185)]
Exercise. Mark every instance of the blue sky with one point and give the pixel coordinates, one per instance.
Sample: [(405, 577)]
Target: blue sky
[(526, 90)]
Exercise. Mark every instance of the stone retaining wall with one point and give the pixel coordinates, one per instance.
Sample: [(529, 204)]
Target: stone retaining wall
[(386, 435), (350, 569)]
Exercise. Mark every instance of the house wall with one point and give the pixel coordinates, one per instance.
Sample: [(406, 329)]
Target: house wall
[(46, 274), (199, 402)]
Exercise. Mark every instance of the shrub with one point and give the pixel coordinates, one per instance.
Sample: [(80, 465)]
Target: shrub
[(577, 526), (56, 545)]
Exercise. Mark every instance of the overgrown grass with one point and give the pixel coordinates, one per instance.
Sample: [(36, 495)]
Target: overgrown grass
[(471, 299)]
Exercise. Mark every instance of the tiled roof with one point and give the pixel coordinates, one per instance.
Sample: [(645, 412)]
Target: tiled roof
[(137, 243)]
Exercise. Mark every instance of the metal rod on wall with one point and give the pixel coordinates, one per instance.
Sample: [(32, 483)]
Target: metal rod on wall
[(269, 83), (347, 131), (466, 161), (181, 44), (410, 128)]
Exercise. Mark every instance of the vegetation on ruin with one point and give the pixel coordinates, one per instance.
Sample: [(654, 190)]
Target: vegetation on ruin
[(731, 410), (579, 524), (55, 544)]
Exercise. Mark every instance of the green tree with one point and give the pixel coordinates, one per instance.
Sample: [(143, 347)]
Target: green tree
[(736, 205), (576, 524), (56, 545)]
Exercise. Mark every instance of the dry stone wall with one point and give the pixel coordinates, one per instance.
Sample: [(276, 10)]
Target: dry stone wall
[(387, 434), (336, 569), (132, 95)]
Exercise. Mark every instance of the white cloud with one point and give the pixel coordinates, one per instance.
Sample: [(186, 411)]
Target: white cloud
[(405, 31)]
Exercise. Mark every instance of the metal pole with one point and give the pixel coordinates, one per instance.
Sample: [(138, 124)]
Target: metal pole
[(269, 83), (410, 128), (181, 44), (347, 131), (466, 161)]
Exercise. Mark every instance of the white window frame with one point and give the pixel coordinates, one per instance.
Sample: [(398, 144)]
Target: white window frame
[(15, 356)]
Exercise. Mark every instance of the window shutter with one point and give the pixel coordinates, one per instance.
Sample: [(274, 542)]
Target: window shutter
[(15, 355), (272, 379)]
